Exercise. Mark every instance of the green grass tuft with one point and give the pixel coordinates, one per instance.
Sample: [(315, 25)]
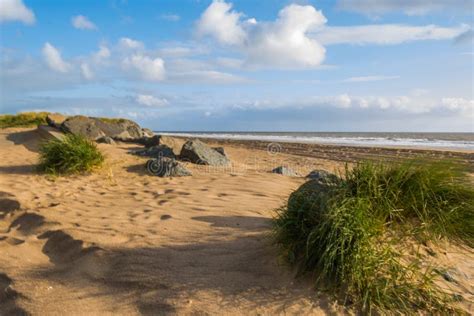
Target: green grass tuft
[(354, 233), (73, 154), (25, 119)]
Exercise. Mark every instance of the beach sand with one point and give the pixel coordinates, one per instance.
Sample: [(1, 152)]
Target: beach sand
[(123, 242)]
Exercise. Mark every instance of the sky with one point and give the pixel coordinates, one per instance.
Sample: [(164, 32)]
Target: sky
[(223, 65)]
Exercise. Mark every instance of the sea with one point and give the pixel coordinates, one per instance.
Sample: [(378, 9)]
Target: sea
[(446, 141)]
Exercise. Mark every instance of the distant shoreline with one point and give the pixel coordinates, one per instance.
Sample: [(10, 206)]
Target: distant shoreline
[(343, 153), (451, 142)]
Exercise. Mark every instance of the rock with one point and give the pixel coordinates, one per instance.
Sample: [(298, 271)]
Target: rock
[(120, 129), (106, 140), (220, 150), (308, 195), (55, 119), (156, 152), (82, 125), (95, 128), (166, 167), (322, 176), (285, 171), (197, 152), (49, 132), (151, 141)]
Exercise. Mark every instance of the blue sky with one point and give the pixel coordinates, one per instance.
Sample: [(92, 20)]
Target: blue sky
[(322, 65)]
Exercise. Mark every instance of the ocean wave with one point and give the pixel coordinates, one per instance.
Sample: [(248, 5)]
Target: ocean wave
[(339, 140)]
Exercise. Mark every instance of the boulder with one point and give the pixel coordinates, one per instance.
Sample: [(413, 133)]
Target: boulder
[(95, 128), (285, 171), (120, 129), (197, 152), (82, 125), (308, 195), (106, 140), (166, 167), (156, 152), (151, 141), (55, 119), (322, 176)]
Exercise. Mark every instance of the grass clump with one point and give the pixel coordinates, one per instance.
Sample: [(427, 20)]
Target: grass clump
[(354, 233), (72, 154), (25, 119)]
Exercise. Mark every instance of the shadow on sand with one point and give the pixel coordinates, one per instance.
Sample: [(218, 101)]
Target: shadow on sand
[(19, 169), (241, 273), (30, 139)]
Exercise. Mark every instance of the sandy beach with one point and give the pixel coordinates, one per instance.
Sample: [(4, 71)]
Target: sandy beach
[(122, 242)]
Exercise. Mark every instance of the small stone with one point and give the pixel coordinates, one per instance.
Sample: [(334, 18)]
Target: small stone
[(285, 171)]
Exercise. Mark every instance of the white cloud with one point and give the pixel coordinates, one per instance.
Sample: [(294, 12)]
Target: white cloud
[(460, 104), (149, 100), (385, 34), (102, 53), (15, 10), (53, 59), (410, 7), (296, 39), (403, 104), (82, 23), (283, 43), (221, 23), (369, 78), (86, 71), (129, 43), (170, 17), (148, 68)]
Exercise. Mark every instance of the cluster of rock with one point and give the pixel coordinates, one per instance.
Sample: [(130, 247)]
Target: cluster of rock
[(165, 162), (99, 129)]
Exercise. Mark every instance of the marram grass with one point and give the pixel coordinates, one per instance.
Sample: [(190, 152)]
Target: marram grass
[(72, 154), (352, 233), (25, 119)]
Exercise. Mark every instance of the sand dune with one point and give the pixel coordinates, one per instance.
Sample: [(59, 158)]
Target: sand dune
[(122, 242)]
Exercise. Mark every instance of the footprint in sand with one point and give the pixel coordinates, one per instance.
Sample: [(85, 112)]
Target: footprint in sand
[(165, 217)]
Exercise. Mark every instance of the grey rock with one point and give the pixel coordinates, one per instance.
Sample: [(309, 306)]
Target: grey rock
[(322, 176), (166, 167), (285, 171), (156, 152), (106, 140), (95, 128), (197, 152), (82, 125), (151, 141), (120, 129)]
